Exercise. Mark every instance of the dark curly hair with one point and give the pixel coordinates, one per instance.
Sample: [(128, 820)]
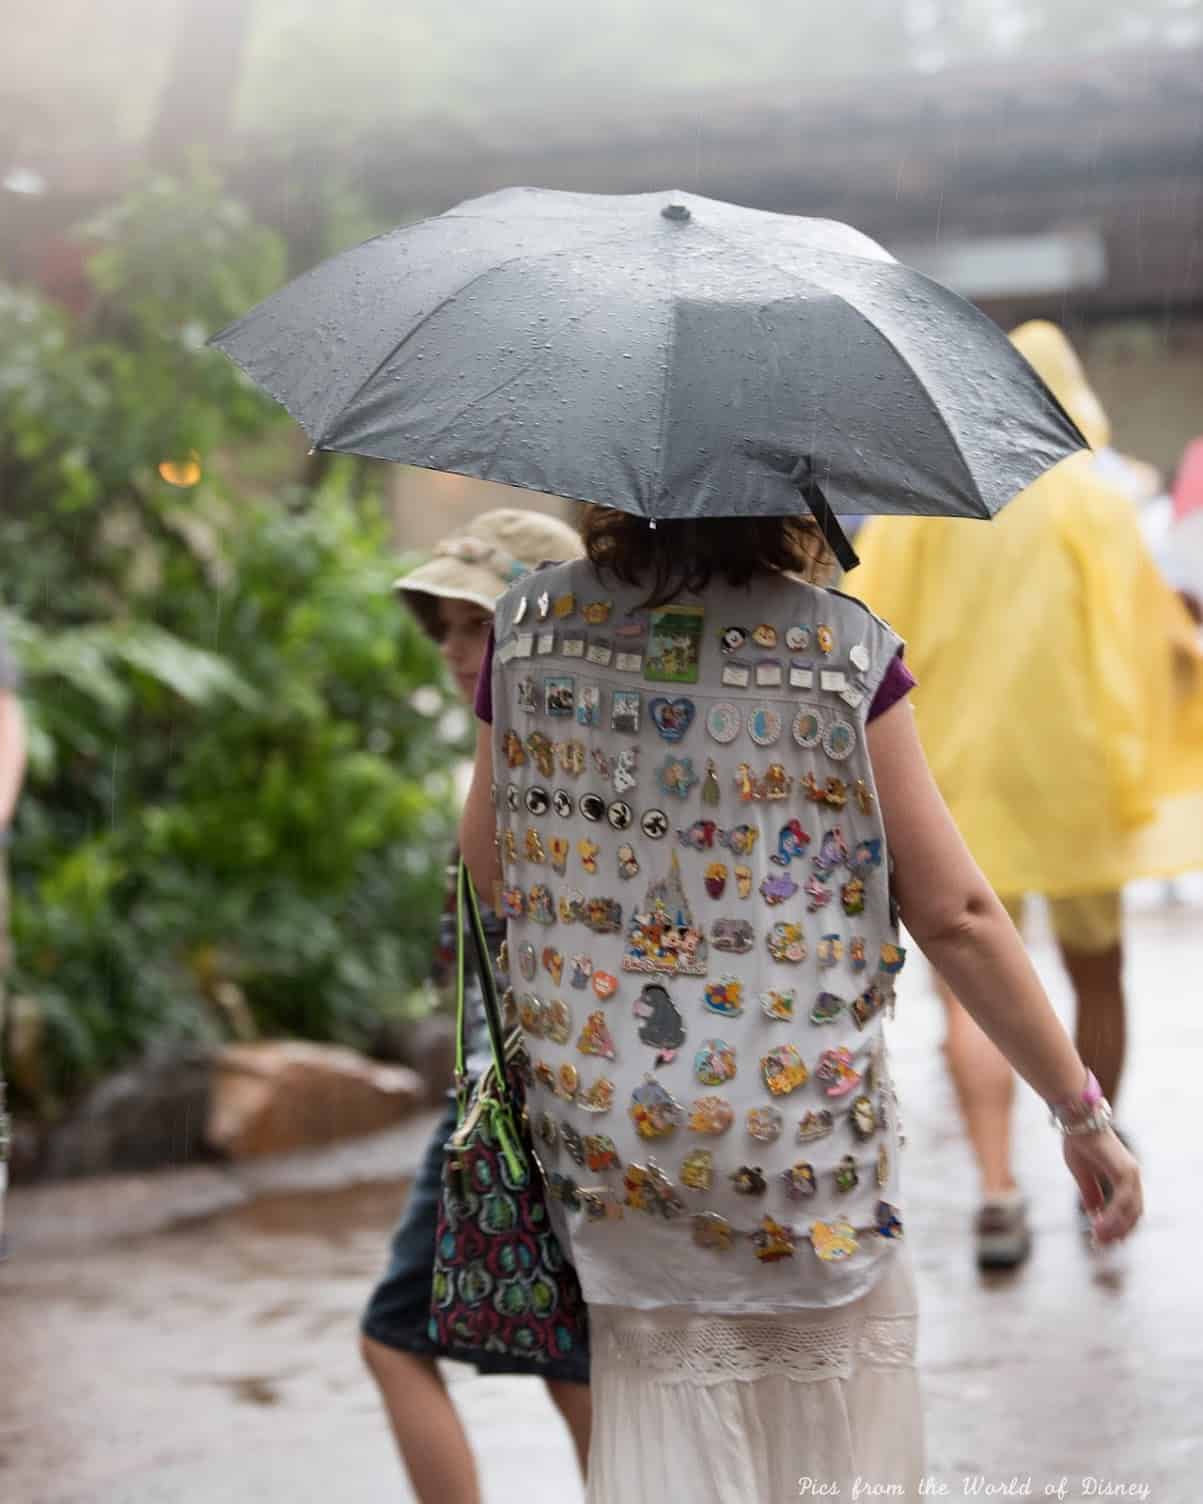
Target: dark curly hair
[(680, 554)]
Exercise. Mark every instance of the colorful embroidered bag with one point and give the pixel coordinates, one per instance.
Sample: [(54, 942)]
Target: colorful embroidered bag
[(501, 1281)]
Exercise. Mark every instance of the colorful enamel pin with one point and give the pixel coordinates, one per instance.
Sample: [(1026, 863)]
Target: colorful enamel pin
[(834, 1241), (783, 1070), (724, 997), (772, 1241), (714, 1062), (596, 1098), (654, 1112), (815, 1125), (778, 1006), (800, 1180), (836, 1071), (763, 1124), (786, 942), (792, 841), (595, 1038), (710, 1115), (660, 1023)]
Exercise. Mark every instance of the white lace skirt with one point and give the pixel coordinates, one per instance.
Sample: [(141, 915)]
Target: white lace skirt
[(718, 1409)]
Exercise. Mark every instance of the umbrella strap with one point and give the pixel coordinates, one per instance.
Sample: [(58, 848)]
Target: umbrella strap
[(833, 534)]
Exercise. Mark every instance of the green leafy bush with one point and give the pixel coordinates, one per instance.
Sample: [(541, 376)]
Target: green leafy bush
[(240, 782)]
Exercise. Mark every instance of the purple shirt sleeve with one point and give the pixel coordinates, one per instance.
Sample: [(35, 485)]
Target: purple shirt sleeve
[(483, 703), (896, 682)]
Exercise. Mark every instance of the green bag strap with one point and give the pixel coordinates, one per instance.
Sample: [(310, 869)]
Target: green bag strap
[(468, 918)]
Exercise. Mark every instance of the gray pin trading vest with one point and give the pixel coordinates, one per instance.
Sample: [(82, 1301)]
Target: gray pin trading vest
[(700, 940)]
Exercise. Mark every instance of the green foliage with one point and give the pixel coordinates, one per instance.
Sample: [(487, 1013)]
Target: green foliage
[(235, 783)]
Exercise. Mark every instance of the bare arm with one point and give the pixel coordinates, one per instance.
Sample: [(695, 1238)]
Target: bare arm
[(478, 824), (12, 754), (966, 934)]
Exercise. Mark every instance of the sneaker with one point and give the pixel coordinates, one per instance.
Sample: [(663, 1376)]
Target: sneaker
[(1003, 1237)]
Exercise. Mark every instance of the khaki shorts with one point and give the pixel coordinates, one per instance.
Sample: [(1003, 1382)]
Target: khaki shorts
[(1086, 925)]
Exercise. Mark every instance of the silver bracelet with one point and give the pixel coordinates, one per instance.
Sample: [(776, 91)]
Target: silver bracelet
[(1098, 1118)]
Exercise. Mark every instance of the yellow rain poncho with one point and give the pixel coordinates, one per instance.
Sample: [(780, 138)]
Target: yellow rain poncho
[(1060, 698)]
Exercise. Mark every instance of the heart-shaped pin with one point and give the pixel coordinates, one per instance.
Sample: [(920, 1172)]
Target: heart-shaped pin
[(672, 718)]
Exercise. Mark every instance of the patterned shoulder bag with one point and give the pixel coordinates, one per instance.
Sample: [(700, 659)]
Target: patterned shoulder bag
[(501, 1281)]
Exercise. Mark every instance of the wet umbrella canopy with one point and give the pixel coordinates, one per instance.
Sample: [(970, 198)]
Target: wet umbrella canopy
[(666, 354)]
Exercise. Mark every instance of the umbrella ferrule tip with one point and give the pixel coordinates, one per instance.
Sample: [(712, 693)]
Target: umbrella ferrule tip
[(675, 211)]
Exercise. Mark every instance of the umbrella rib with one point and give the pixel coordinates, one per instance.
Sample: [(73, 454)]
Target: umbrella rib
[(670, 345), (395, 349), (786, 271)]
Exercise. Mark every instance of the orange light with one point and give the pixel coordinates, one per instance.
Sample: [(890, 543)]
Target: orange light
[(185, 472)]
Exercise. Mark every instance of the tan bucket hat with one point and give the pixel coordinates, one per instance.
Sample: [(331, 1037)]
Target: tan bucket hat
[(483, 558)]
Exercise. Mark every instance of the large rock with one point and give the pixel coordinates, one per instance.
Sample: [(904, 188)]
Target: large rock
[(281, 1095), (150, 1115)]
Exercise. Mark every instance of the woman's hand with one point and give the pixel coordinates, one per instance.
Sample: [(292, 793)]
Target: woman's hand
[(1109, 1179)]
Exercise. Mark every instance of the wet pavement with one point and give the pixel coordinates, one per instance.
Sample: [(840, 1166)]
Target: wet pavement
[(214, 1359)]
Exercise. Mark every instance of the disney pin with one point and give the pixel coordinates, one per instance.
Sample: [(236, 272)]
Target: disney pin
[(863, 1117), (777, 1005), (596, 1098), (671, 718), (571, 906), (597, 613), (832, 852), (732, 640), (883, 1165), (600, 651), (772, 1241), (723, 721), (527, 961), (797, 639), (846, 1175), (786, 942), (601, 1154), (532, 847), (625, 770), (743, 880), (654, 824), (525, 690), (558, 847), (792, 841), (588, 706), (834, 1241), (654, 1111), (628, 862), (748, 1180), (710, 1230), (807, 728), (625, 711), (592, 806), (603, 915), (520, 611), (839, 740), (710, 1115), (542, 605), (888, 1222), (778, 888), (715, 879), (733, 936), (595, 1037), (799, 1180), (836, 1071), (764, 725), (827, 1008), (825, 638), (724, 997), (538, 800), (852, 896), (571, 757), (676, 776), (714, 1062), (783, 1070), (711, 791), (553, 963), (856, 953), (562, 803), (588, 851), (557, 1021), (649, 1190), (763, 1124), (892, 958), (697, 1170), (818, 894), (829, 951), (619, 814), (815, 1125), (582, 970), (660, 1023)]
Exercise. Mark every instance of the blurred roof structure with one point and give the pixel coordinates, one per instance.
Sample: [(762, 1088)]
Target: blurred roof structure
[(1089, 165)]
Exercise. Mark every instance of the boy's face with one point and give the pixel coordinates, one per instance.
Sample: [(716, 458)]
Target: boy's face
[(464, 631)]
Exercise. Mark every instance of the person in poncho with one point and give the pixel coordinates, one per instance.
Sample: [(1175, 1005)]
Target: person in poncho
[(1061, 711)]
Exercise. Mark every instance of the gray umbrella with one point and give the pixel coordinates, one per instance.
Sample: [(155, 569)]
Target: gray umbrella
[(666, 354)]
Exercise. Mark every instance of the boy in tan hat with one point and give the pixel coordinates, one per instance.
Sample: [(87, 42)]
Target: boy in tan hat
[(452, 595)]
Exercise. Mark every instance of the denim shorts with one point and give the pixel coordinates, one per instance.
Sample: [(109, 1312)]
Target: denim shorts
[(398, 1312)]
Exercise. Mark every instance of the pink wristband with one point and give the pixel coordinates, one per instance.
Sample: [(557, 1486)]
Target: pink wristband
[(1091, 1096)]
